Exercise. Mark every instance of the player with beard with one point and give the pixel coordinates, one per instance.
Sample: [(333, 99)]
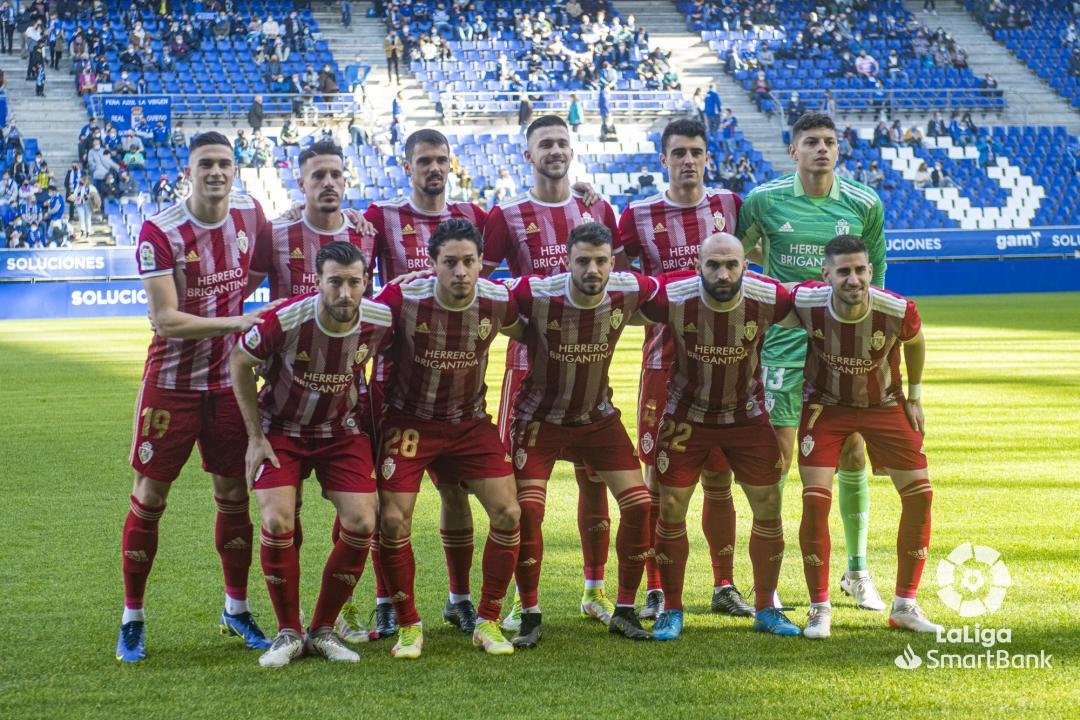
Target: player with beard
[(529, 232), (665, 231), (717, 319), (311, 352), (287, 257), (852, 384), (403, 227), (193, 259)]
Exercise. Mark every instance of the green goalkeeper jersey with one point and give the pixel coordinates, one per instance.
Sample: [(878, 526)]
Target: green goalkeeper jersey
[(793, 229)]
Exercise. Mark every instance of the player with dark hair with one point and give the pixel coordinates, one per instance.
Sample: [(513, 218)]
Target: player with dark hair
[(311, 352), (665, 231), (564, 406), (402, 229), (193, 259), (529, 233), (715, 406), (436, 419), (287, 256), (788, 221), (853, 384)]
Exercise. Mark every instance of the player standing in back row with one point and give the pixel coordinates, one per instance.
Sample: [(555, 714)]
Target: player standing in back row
[(193, 259), (790, 219), (529, 232), (665, 231)]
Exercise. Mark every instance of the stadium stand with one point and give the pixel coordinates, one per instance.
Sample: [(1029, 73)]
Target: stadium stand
[(1041, 34), (872, 60)]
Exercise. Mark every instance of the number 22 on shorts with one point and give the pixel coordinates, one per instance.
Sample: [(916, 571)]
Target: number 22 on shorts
[(404, 442)]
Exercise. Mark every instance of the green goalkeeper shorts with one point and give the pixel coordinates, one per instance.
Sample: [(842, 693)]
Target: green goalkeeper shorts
[(783, 394)]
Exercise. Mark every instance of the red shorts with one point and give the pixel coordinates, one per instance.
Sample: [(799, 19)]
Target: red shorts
[(652, 398), (341, 464), (601, 446), (891, 442), (168, 423), (687, 448), (408, 446)]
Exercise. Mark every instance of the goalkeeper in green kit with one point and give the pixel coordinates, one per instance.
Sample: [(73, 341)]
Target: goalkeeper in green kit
[(785, 224)]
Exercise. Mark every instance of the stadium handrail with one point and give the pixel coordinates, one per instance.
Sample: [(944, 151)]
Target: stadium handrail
[(232, 105), (862, 100), (625, 103)]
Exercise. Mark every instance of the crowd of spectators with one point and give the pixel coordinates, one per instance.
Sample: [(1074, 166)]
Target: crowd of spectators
[(33, 210)]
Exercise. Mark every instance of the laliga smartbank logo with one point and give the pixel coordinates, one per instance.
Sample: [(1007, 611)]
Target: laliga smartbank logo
[(972, 581)]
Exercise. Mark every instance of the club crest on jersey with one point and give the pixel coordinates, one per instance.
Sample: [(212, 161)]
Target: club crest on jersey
[(388, 467), (520, 457), (806, 446), (662, 461), (147, 258), (252, 337), (842, 227), (616, 318), (146, 451), (749, 330), (770, 403), (719, 221), (360, 354), (587, 217), (484, 328), (242, 241), (877, 340), (297, 254), (647, 442)]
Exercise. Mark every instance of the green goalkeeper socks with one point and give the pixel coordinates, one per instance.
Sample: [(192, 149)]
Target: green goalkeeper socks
[(855, 512)]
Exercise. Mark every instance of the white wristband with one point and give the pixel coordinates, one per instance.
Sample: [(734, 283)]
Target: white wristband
[(914, 391)]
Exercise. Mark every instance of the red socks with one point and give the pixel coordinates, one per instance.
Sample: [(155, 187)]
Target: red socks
[(233, 534), (340, 575), (399, 567), (913, 537), (814, 541), (298, 530), (766, 555), (672, 551), (138, 547), (458, 548), (281, 568), (652, 571), (594, 524), (500, 556), (632, 541), (532, 499), (718, 525)]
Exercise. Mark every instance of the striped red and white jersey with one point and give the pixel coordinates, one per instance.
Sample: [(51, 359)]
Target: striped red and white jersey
[(313, 375), (287, 255), (666, 237), (209, 264), (570, 347), (854, 363), (439, 355), (402, 231), (716, 378), (530, 236)]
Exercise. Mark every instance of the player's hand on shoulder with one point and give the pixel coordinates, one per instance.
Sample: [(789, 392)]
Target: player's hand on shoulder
[(914, 411), (587, 192), (247, 320), (358, 221), (294, 213), (258, 452), (409, 277)]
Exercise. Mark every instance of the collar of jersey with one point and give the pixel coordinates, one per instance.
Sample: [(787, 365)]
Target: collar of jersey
[(346, 333), (429, 213), (570, 298), (672, 203), (435, 296), (837, 318), (197, 223), (342, 228), (709, 301), (564, 203), (834, 191)]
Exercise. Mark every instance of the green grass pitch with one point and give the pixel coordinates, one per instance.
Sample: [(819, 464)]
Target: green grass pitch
[(1002, 395)]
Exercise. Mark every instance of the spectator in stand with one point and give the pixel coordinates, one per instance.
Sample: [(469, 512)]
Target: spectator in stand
[(881, 135), (795, 109), (728, 125), (896, 134), (87, 81), (936, 127), (922, 176), (875, 178), (761, 89), (125, 85), (913, 137), (828, 104), (939, 177), (163, 192), (506, 183), (846, 152), (101, 166), (178, 139), (712, 109), (289, 135), (574, 116), (81, 200), (866, 65), (255, 113), (134, 159), (988, 148), (7, 27), (328, 84), (394, 49), (127, 188)]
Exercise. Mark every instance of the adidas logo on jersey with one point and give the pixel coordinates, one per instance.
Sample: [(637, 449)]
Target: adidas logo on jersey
[(302, 356), (690, 328), (786, 228), (554, 325), (192, 256), (422, 327), (346, 578), (819, 335), (236, 544), (297, 254), (813, 559), (532, 228), (659, 228), (408, 230)]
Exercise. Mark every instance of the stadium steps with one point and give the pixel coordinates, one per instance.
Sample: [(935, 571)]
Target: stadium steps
[(55, 120), (697, 66), (363, 43), (1029, 99)]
